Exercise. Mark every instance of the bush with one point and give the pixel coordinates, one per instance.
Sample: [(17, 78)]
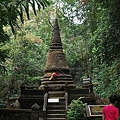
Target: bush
[(76, 110)]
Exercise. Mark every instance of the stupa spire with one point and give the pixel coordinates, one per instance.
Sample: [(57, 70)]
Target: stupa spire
[(56, 39)]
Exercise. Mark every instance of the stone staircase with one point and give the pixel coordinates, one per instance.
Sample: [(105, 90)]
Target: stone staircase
[(56, 106)]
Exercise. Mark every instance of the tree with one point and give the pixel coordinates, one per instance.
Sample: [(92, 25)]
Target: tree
[(9, 12), (27, 54), (99, 31)]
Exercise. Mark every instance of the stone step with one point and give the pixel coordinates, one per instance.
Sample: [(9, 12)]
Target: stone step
[(60, 96), (56, 103), (58, 87), (56, 93), (56, 111), (56, 116), (55, 107), (59, 78), (57, 82)]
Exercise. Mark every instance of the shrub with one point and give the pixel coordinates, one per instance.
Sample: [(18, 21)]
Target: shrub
[(76, 110)]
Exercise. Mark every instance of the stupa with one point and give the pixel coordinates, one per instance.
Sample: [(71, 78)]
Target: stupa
[(56, 63)]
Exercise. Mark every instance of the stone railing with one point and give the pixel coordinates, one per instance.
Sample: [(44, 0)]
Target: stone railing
[(45, 104), (66, 101)]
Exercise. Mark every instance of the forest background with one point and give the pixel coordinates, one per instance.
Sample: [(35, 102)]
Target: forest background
[(90, 33)]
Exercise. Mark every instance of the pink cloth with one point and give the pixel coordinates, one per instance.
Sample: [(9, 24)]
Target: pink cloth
[(110, 112)]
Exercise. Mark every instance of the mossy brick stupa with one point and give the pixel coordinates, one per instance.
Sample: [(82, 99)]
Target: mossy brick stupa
[(57, 89), (56, 62)]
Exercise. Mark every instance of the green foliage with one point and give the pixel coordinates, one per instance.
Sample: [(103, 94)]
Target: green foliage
[(9, 12), (107, 79), (90, 37), (92, 44), (76, 110), (103, 46), (27, 56)]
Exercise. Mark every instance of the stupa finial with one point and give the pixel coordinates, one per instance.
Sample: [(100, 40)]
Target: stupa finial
[(56, 39)]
